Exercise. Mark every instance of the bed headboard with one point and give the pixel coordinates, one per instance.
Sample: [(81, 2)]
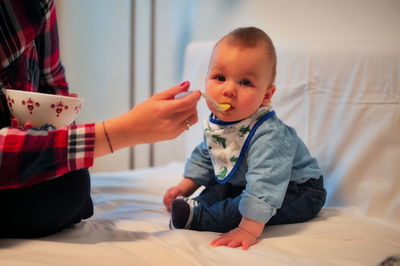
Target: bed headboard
[(344, 101)]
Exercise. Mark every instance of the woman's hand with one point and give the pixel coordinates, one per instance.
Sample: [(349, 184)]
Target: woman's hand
[(161, 117)]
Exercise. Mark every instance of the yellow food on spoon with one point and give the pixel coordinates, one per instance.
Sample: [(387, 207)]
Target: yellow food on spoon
[(223, 106), (220, 106)]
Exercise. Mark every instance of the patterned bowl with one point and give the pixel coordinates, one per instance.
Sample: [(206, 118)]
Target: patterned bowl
[(40, 108)]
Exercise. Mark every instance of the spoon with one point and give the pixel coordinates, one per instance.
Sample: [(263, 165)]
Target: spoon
[(220, 106)]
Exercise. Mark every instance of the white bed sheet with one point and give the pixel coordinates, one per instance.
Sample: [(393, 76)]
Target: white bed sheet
[(130, 227)]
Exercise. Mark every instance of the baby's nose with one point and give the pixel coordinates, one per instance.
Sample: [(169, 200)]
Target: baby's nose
[(229, 91)]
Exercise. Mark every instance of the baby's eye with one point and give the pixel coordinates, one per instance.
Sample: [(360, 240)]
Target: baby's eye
[(220, 78), (246, 82)]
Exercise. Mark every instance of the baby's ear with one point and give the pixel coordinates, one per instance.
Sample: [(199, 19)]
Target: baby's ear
[(268, 95)]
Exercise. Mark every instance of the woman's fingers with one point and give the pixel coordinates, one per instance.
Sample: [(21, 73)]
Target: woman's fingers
[(170, 93), (186, 119), (187, 102), (191, 120)]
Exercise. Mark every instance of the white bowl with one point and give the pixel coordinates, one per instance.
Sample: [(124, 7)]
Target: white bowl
[(40, 108)]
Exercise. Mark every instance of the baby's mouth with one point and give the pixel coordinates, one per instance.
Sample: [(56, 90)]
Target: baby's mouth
[(228, 107), (222, 106)]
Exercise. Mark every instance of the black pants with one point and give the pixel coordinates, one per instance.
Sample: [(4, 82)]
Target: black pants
[(45, 208)]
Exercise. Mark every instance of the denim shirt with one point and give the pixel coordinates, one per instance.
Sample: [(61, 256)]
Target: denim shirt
[(275, 156)]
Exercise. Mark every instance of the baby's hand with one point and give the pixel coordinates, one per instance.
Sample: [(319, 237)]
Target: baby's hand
[(170, 195), (235, 238)]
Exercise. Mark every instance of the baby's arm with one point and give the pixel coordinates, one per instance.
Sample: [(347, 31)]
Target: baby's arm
[(244, 235), (185, 188)]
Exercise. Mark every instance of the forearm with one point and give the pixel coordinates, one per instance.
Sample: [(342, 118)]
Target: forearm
[(104, 145), (113, 135), (252, 227)]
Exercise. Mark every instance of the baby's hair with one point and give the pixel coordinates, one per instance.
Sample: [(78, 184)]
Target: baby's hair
[(249, 37)]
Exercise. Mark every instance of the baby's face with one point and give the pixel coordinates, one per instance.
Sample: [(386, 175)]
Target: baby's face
[(239, 77)]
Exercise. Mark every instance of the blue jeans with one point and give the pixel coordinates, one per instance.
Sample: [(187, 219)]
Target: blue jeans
[(218, 210)]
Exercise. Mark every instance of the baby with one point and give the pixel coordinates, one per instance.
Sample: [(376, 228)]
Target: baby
[(255, 169)]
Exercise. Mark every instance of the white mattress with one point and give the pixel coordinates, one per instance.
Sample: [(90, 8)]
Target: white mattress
[(130, 227), (344, 101)]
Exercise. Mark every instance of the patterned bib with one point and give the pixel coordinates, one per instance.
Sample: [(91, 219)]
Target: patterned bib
[(228, 141)]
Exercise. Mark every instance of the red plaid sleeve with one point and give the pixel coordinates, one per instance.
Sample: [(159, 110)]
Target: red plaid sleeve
[(80, 146), (28, 157)]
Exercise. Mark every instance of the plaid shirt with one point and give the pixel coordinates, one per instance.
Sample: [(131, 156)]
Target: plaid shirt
[(30, 61)]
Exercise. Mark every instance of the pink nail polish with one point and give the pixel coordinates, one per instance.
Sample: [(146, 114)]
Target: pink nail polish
[(183, 84)]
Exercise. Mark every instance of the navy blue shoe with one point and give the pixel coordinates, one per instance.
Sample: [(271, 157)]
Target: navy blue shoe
[(182, 213)]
